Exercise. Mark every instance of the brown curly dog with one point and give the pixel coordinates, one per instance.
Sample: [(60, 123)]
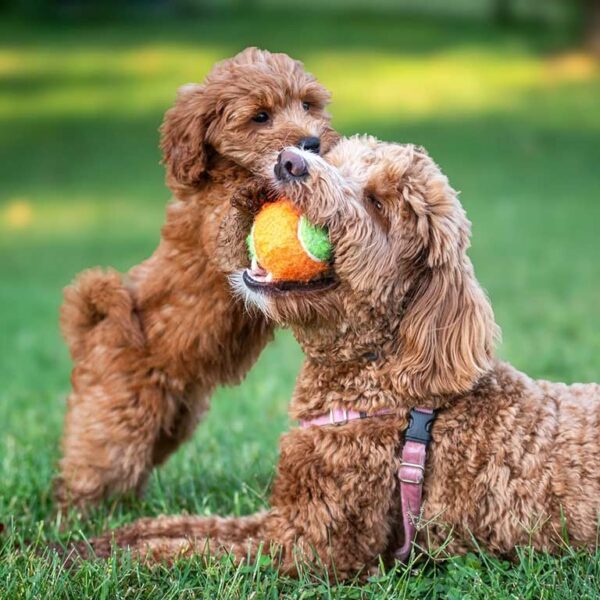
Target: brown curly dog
[(149, 349), (513, 461)]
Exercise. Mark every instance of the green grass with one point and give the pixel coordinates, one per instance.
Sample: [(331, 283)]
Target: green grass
[(515, 126)]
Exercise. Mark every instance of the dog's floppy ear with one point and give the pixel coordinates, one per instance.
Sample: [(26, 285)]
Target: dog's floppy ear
[(183, 135), (447, 331)]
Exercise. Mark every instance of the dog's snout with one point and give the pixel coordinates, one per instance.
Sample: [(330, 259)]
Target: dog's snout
[(290, 165), (312, 144)]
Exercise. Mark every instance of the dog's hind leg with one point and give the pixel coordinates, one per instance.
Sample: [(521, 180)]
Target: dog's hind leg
[(117, 407), (113, 419), (190, 409)]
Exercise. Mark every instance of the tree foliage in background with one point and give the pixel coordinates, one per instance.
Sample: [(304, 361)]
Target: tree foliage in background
[(591, 22), (503, 12)]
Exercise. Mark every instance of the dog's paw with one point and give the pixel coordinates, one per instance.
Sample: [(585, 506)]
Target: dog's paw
[(250, 197), (71, 502)]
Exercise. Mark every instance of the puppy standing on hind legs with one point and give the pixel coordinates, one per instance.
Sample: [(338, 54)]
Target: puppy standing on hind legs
[(406, 325), (149, 350)]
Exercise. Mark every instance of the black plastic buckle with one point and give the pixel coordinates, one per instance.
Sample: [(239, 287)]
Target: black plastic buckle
[(419, 426)]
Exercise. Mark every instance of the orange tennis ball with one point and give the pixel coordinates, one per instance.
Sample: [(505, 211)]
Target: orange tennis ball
[(287, 245)]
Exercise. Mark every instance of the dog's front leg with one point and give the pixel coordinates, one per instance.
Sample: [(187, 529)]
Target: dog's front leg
[(166, 539), (326, 512)]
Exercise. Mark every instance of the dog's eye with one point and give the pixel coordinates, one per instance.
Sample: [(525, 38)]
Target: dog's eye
[(306, 105), (261, 117), (376, 203)]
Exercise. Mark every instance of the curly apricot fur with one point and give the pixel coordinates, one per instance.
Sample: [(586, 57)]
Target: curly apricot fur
[(150, 348)]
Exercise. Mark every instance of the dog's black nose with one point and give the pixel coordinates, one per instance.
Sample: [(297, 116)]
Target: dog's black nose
[(290, 165), (312, 144)]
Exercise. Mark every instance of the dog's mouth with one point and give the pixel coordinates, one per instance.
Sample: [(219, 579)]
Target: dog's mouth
[(259, 280)]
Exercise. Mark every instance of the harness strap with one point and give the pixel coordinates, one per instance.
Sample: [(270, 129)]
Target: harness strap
[(341, 416), (411, 473)]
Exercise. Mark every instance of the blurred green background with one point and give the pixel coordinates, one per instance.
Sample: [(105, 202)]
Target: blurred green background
[(505, 96)]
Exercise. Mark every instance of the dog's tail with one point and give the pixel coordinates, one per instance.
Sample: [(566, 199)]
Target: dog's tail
[(93, 298)]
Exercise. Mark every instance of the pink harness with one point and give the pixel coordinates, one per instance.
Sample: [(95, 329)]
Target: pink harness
[(411, 473)]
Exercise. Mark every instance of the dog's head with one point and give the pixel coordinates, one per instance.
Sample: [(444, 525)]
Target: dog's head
[(248, 108), (400, 276)]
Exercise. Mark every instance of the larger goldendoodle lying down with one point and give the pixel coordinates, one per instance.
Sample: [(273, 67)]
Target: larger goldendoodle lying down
[(512, 462)]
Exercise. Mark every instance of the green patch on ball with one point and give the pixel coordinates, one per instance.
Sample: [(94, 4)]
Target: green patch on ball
[(314, 240)]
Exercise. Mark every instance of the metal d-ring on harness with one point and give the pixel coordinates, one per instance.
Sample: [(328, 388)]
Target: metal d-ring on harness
[(411, 473)]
